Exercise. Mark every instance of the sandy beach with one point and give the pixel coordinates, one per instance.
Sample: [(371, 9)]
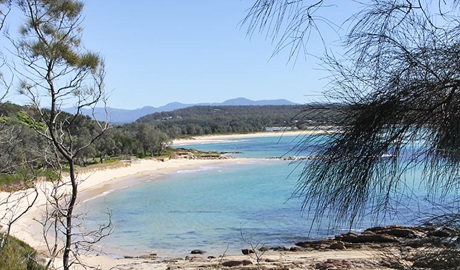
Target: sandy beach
[(95, 183), (92, 184), (226, 138)]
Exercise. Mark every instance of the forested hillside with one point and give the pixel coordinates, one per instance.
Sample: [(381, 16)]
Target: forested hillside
[(124, 116), (199, 120), (25, 152)]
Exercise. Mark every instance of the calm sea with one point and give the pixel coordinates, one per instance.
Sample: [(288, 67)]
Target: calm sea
[(220, 207)]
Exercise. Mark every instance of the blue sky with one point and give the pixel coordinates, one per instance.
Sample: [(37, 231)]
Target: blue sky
[(158, 52)]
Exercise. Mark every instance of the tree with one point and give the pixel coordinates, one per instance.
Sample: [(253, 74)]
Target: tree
[(399, 79), (125, 141), (57, 71), (105, 146), (19, 158), (160, 142), (12, 147), (152, 139), (7, 136)]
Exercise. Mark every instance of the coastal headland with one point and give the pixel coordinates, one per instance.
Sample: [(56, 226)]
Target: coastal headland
[(339, 253)]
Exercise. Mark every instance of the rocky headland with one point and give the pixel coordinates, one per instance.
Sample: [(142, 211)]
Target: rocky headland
[(389, 247)]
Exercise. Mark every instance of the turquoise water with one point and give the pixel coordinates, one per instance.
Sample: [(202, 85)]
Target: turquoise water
[(215, 208), (258, 147), (208, 209)]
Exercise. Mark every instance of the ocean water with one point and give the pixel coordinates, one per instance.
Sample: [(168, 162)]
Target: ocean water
[(258, 147), (220, 208)]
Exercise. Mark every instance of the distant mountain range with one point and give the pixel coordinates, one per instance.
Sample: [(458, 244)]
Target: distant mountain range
[(122, 116)]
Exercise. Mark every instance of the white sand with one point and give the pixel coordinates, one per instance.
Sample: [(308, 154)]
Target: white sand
[(92, 184), (224, 138), (28, 229)]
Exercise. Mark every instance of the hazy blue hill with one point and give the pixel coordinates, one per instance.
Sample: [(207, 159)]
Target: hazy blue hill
[(122, 116)]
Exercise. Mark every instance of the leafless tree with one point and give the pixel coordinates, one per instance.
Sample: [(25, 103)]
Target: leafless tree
[(57, 71), (13, 206), (256, 248), (54, 220), (7, 136)]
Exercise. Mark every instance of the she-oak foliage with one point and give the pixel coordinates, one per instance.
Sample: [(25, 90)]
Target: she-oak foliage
[(57, 71), (400, 81)]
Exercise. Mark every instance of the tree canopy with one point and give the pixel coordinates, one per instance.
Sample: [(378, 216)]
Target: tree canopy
[(202, 120), (399, 79)]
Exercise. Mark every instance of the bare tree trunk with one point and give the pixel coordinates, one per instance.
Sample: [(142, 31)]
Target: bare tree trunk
[(69, 216)]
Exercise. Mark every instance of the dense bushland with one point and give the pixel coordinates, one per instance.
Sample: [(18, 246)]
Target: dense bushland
[(201, 120)]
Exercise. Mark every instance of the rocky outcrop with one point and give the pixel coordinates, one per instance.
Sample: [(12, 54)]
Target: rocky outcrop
[(399, 231), (235, 263), (377, 235), (366, 237), (442, 232), (388, 247), (321, 244), (339, 245)]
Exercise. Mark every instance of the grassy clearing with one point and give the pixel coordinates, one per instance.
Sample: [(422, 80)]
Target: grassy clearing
[(17, 255), (109, 164), (23, 178)]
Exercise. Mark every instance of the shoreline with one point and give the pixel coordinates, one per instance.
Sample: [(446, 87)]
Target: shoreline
[(205, 139), (95, 183), (136, 172)]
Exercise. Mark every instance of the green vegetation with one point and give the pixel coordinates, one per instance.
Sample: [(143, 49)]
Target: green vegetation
[(17, 255), (25, 156), (398, 76), (22, 178), (59, 70), (201, 120)]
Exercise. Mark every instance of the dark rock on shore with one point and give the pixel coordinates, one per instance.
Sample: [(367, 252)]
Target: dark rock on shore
[(366, 237), (197, 251), (321, 244), (247, 251), (399, 231), (339, 245), (443, 232), (376, 235), (294, 249), (264, 249), (280, 248), (388, 234), (388, 247), (236, 263)]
